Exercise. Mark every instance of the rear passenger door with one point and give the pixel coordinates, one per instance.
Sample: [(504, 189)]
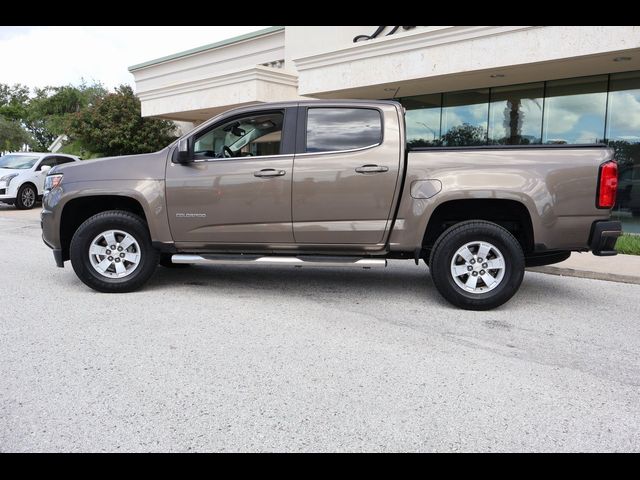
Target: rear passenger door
[(345, 174)]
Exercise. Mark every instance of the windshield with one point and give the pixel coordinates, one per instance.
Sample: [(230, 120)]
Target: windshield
[(18, 161)]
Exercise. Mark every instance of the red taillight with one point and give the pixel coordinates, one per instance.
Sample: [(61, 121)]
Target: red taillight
[(608, 185)]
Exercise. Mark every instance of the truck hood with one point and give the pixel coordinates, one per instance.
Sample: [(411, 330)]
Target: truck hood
[(148, 166)]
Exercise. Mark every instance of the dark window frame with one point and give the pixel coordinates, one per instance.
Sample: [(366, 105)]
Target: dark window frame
[(63, 160)]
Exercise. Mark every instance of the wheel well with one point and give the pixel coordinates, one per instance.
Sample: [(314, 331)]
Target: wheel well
[(29, 183), (509, 214), (80, 209)]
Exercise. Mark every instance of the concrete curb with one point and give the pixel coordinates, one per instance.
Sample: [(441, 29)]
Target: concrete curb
[(570, 272)]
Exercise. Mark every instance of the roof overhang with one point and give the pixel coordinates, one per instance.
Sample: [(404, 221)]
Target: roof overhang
[(201, 99), (195, 85)]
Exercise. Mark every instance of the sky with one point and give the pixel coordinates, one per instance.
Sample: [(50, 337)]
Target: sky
[(41, 56)]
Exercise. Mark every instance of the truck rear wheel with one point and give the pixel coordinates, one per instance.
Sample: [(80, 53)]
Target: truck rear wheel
[(111, 252), (477, 265)]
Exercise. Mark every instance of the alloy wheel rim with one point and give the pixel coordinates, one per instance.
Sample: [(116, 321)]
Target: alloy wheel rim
[(478, 267), (28, 197), (115, 254)]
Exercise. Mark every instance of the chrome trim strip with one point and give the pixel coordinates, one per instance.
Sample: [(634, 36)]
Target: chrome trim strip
[(306, 154), (261, 157), (293, 261)]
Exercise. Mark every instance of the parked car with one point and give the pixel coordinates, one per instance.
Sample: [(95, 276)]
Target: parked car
[(332, 183), (22, 176)]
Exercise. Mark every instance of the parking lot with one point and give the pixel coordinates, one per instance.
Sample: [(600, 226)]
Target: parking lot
[(280, 359)]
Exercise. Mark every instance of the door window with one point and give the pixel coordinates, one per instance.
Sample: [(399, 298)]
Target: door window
[(335, 129), (63, 160), (49, 161), (255, 135)]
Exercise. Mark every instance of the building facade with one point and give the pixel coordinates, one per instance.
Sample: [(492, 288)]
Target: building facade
[(461, 85)]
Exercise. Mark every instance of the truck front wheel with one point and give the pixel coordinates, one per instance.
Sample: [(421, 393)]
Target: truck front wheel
[(111, 252), (477, 265)]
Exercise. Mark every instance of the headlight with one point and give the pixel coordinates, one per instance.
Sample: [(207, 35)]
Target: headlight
[(7, 178), (52, 181)]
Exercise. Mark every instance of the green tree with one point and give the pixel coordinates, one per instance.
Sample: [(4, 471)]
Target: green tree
[(12, 135), (114, 126), (14, 100), (465, 135), (13, 106), (49, 109)]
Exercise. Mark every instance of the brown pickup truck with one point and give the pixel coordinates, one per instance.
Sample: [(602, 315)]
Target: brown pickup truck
[(331, 183)]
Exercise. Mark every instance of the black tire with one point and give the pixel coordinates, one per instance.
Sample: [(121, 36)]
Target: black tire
[(27, 197), (165, 261), (113, 220), (456, 237)]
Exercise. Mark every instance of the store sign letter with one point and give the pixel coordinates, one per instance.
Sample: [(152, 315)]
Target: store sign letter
[(379, 32)]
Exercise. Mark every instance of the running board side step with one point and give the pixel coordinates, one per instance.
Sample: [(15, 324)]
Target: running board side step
[(302, 261)]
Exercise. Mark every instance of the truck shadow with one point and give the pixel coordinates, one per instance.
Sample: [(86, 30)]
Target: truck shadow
[(399, 283)]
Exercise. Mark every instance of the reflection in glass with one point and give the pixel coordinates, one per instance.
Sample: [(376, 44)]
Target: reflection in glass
[(255, 135), (333, 129), (623, 134), (516, 114), (574, 110), (423, 120), (624, 107), (464, 117)]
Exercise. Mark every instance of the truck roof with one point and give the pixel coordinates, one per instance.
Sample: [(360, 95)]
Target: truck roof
[(337, 101)]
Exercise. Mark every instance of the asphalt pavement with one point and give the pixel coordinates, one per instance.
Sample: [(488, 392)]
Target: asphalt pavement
[(257, 358)]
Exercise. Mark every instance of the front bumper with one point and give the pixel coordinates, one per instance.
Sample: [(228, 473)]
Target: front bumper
[(604, 235), (8, 193), (47, 225)]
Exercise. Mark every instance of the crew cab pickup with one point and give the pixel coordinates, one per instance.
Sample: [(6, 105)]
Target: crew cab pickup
[(331, 183)]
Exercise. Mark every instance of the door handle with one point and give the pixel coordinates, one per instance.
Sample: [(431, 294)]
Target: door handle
[(269, 172), (372, 169)]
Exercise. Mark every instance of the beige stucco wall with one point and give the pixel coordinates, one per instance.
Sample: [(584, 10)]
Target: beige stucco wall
[(327, 60), (197, 86), (324, 62)]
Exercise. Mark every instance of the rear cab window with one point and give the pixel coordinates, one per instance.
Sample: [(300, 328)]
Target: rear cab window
[(333, 129)]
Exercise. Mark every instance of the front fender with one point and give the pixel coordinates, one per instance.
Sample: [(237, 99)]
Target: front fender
[(148, 193)]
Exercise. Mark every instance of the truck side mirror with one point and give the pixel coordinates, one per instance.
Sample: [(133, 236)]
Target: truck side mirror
[(184, 152), (45, 168)]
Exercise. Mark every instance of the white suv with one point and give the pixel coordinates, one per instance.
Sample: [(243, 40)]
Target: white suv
[(22, 176)]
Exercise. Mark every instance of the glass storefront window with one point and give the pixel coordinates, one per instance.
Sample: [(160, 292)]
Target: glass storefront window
[(464, 118), (574, 110), (423, 120), (515, 114), (623, 134)]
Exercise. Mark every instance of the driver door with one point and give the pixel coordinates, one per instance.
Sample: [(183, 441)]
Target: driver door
[(238, 188)]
